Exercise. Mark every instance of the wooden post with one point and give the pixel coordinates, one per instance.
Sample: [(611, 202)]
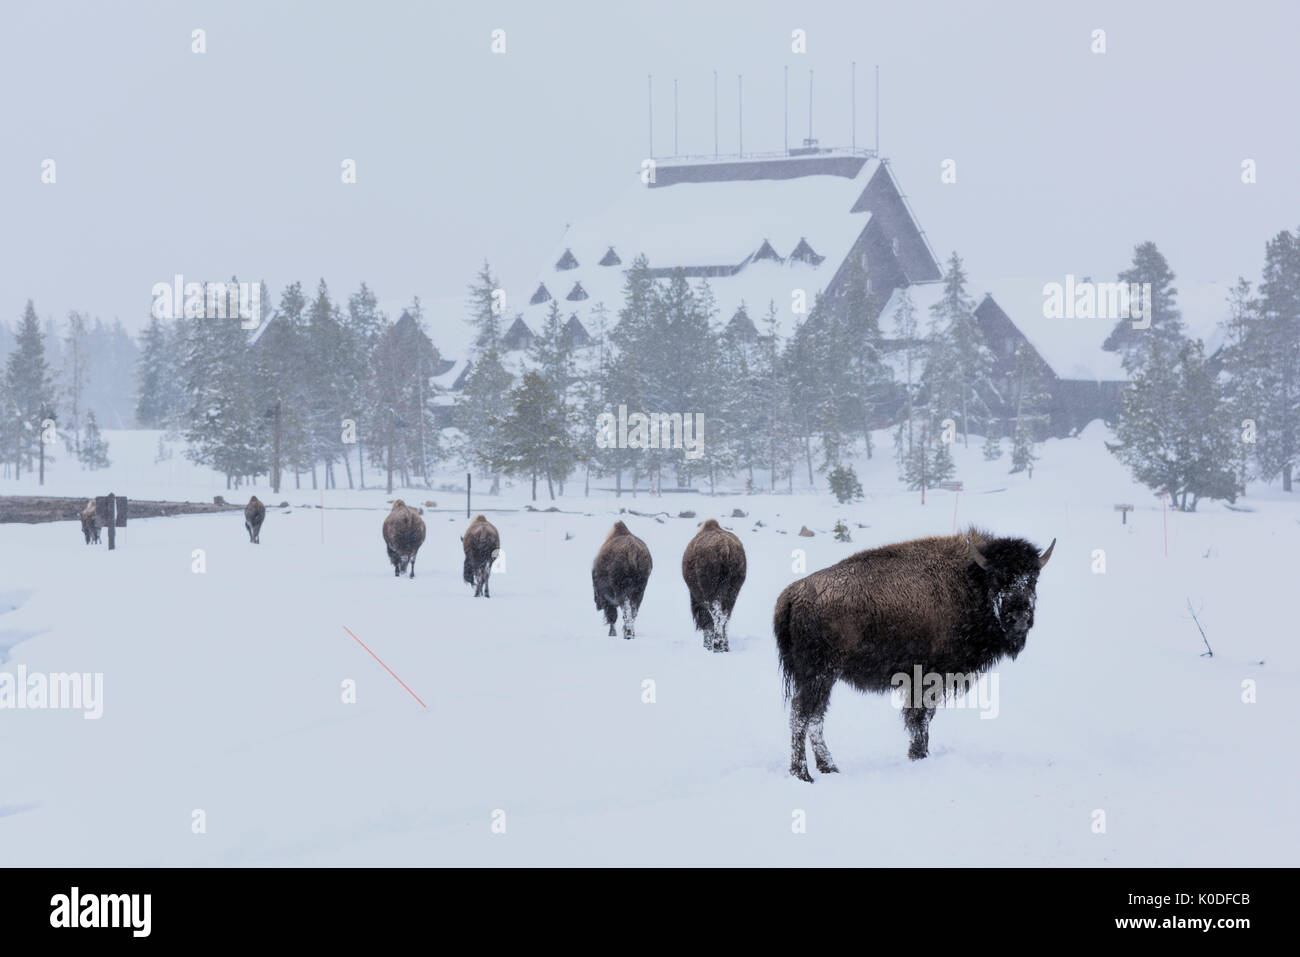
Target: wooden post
[(469, 480)]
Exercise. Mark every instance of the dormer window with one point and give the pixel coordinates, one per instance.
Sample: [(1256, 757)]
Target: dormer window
[(766, 251), (576, 293), (805, 253), (610, 258), (567, 261), (541, 295), (893, 244)]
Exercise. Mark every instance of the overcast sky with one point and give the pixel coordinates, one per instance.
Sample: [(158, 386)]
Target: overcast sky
[(228, 162)]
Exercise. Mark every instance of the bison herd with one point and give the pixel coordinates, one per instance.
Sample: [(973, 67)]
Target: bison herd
[(948, 605)]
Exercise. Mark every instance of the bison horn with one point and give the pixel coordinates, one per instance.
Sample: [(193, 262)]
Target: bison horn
[(1042, 559), (979, 559)]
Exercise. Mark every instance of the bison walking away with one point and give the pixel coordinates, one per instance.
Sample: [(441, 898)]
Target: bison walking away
[(714, 568), (950, 605), (619, 576), (403, 534), (482, 544), (89, 522), (254, 513)]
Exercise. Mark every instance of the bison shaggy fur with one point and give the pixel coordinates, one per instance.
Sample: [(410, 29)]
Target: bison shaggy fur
[(619, 576), (403, 535), (482, 544), (89, 522), (950, 605), (713, 566), (254, 513)]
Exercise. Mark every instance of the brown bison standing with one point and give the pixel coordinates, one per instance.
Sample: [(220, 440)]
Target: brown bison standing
[(482, 544), (714, 568), (619, 576), (254, 513), (403, 534), (89, 522), (951, 605)]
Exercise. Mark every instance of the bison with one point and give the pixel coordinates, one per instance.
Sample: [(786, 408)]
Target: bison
[(619, 576), (403, 534), (482, 544), (714, 568), (953, 605), (254, 513), (90, 522)]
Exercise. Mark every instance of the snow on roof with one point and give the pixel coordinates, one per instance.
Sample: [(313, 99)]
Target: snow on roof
[(713, 224), (1071, 347)]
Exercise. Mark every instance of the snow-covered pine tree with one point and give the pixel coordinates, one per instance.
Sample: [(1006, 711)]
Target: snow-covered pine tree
[(1245, 359), (483, 403), (151, 376), (1171, 431), (1166, 330), (1031, 403), (535, 441), (959, 363), (76, 341), (93, 453), (364, 324), (1277, 448), (29, 391)]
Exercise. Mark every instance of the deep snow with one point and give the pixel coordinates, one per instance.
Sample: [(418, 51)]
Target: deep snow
[(222, 690)]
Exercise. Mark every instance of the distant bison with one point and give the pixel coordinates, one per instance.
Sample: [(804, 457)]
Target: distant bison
[(714, 568), (403, 534), (951, 605), (254, 513), (89, 522), (482, 544), (619, 576)]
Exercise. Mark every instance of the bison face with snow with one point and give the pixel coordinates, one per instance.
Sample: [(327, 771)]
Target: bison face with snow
[(950, 605)]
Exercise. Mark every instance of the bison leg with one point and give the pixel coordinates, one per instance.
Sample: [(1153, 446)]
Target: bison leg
[(611, 615), (816, 730), (808, 711), (917, 722), (719, 626), (487, 575), (396, 560), (412, 565), (629, 620)]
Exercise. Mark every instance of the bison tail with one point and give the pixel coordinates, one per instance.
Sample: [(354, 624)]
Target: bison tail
[(784, 644)]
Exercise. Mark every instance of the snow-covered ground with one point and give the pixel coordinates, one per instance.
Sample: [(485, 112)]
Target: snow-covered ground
[(223, 690)]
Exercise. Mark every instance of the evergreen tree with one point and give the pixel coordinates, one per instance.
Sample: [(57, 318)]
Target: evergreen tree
[(1171, 431), (93, 452), (1245, 359), (1276, 346), (959, 363), (484, 400), (1166, 330), (76, 341), (29, 391), (1031, 402), (535, 436), (151, 408)]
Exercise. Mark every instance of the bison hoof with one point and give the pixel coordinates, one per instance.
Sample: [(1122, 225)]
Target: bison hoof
[(802, 774), (916, 754), (827, 768)]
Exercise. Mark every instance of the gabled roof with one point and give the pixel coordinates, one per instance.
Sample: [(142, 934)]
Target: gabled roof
[(542, 294), (518, 336)]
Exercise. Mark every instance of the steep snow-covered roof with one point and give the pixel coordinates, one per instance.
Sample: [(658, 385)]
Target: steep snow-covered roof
[(714, 226), (1071, 347)]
